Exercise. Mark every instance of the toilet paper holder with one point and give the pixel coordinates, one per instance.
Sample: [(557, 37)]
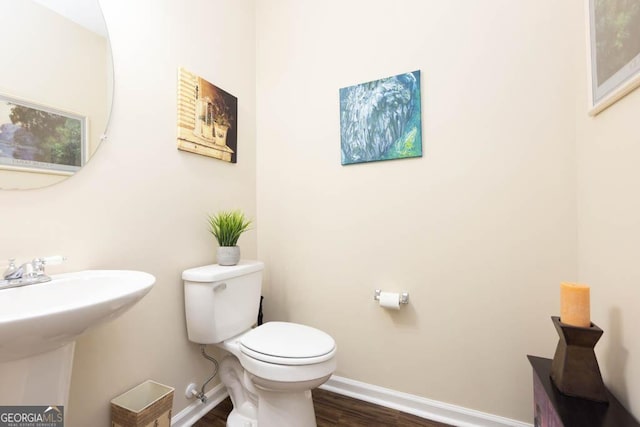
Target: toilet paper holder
[(404, 296)]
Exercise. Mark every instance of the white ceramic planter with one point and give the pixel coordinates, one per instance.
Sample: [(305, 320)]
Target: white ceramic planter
[(228, 255)]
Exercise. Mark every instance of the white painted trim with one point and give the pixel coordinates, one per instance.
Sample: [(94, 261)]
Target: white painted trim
[(409, 403), (192, 413), (419, 406)]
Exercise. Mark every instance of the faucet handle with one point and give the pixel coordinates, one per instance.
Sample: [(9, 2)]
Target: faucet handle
[(53, 260), (11, 268), (38, 264)]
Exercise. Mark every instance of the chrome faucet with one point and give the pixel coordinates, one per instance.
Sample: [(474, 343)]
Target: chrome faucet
[(28, 273)]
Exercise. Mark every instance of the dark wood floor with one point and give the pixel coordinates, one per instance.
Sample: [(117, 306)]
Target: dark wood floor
[(335, 410)]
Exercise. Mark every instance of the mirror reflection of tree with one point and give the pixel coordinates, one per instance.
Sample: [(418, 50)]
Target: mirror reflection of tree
[(617, 24), (46, 137)]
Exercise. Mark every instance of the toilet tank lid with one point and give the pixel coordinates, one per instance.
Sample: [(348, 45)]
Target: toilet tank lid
[(216, 273)]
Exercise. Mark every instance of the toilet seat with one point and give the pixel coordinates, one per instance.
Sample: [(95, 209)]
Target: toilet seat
[(290, 344)]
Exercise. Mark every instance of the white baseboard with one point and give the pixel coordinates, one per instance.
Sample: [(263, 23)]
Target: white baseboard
[(415, 405), (192, 413), (409, 403)]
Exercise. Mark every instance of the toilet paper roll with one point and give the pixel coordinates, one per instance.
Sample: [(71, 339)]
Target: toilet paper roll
[(390, 300)]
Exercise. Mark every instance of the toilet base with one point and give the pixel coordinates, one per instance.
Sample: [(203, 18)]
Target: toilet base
[(235, 419), (278, 409), (258, 402)]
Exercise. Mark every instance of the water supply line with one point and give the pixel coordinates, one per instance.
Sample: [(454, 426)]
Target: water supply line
[(201, 395)]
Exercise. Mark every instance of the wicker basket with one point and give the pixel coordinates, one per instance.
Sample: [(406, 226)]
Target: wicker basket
[(146, 405)]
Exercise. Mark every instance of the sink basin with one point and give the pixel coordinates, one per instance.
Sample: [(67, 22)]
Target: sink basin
[(39, 318)]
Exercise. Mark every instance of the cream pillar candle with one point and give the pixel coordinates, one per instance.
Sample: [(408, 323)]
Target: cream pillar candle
[(575, 305)]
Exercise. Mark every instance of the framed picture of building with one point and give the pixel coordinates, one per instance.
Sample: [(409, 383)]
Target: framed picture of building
[(36, 138), (207, 118)]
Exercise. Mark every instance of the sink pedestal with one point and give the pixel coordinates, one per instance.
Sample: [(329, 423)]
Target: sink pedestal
[(42, 379)]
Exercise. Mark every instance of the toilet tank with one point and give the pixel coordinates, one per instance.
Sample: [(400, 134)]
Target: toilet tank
[(221, 301)]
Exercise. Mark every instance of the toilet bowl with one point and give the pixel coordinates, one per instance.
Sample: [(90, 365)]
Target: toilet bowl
[(283, 362), (268, 370)]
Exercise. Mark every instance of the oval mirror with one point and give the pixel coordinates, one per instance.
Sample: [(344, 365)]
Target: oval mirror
[(56, 89)]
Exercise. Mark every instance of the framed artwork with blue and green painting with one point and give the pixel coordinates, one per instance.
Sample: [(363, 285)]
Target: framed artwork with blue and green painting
[(380, 120)]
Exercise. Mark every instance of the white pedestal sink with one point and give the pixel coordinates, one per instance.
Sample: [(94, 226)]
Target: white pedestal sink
[(39, 324)]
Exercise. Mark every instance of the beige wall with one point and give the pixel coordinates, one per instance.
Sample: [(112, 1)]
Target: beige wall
[(141, 204), (608, 150), (60, 65), (480, 230)]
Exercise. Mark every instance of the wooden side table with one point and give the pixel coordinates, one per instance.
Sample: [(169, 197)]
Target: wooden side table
[(554, 409)]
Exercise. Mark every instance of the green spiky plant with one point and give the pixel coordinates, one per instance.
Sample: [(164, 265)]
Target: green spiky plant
[(227, 226)]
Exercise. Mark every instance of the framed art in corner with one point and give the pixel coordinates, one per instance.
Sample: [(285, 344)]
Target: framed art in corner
[(35, 138), (614, 51)]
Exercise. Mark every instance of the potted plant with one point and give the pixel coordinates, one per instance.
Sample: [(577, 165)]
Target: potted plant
[(226, 227)]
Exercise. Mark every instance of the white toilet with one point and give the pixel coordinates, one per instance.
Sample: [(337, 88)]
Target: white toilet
[(272, 368)]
